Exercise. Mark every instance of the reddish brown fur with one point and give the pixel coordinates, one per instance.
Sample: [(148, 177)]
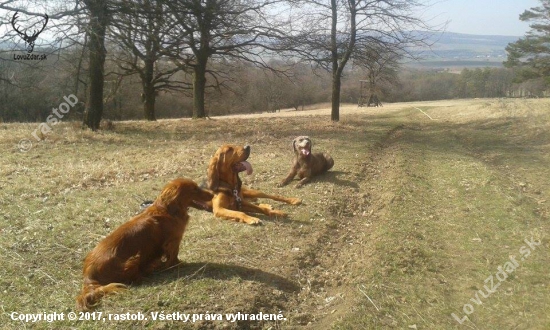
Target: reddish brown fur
[(306, 166), (148, 242), (223, 180)]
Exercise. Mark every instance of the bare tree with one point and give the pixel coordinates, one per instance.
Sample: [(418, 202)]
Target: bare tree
[(214, 29), (332, 31), (51, 38), (381, 63), (142, 29), (98, 18)]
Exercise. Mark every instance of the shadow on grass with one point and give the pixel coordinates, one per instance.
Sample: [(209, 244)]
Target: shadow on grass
[(217, 271), (287, 220), (332, 177), (329, 177), (502, 139)]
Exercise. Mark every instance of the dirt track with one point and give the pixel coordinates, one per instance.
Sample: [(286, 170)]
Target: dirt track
[(424, 202), (350, 109), (402, 192)]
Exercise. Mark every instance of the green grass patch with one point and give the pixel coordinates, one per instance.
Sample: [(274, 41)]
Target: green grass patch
[(403, 232)]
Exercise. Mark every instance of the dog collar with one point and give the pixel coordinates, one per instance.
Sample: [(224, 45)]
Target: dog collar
[(238, 199)]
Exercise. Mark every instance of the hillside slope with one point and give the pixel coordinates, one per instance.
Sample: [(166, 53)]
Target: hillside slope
[(425, 202)]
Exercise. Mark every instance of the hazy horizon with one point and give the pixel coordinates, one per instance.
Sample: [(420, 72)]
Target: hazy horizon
[(481, 17), (485, 18)]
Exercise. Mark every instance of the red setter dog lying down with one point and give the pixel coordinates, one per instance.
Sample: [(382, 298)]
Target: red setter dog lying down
[(231, 200), (148, 242)]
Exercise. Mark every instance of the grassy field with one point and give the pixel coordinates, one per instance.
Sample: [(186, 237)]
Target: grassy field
[(435, 216)]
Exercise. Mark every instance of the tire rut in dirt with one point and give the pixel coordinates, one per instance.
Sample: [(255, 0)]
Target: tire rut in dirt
[(331, 268)]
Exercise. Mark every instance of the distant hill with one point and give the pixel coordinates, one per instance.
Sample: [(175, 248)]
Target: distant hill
[(457, 50), (453, 51), (6, 45)]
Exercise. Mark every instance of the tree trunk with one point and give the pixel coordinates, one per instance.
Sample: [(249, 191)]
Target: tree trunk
[(336, 77), (149, 99), (199, 87), (338, 64), (336, 84), (149, 92), (98, 24)]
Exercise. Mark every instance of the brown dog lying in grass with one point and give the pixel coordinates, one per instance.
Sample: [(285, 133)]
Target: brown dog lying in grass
[(306, 164), (148, 242), (231, 200)]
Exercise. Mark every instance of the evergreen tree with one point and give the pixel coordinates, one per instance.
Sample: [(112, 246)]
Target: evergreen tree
[(532, 53)]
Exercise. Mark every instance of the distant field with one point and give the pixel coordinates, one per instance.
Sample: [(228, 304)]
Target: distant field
[(432, 209), (458, 51), (457, 64)]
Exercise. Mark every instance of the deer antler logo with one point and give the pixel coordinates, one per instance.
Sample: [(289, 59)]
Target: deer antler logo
[(29, 40)]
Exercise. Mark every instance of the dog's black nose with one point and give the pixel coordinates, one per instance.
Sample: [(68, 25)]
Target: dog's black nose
[(247, 148)]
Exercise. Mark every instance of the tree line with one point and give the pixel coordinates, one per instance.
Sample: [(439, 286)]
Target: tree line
[(196, 45), (253, 90), (194, 58)]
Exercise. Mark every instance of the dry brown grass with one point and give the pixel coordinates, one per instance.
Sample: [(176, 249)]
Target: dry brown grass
[(401, 233)]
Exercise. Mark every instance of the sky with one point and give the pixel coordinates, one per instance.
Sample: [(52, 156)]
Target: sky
[(484, 17)]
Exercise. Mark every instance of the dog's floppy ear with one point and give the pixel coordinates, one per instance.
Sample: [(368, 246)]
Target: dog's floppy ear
[(167, 199), (213, 171)]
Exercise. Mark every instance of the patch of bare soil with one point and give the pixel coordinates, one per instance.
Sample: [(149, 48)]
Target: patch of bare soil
[(345, 257), (329, 265), (320, 276), (424, 202)]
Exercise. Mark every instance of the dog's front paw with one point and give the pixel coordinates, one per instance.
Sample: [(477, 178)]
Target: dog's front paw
[(267, 207), (277, 213), (282, 184), (295, 201), (253, 221)]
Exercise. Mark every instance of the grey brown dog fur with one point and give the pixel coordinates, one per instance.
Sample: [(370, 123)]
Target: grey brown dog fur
[(306, 164)]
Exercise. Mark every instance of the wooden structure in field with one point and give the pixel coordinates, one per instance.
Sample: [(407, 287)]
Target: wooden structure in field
[(367, 96)]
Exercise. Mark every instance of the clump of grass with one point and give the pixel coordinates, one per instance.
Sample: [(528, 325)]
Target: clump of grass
[(401, 232)]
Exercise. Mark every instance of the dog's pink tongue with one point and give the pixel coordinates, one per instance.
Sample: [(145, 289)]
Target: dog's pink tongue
[(305, 151), (247, 166)]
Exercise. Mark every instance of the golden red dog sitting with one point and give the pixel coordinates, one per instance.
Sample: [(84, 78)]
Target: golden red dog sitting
[(148, 242)]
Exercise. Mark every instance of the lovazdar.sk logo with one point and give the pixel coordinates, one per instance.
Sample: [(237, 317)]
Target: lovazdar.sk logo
[(29, 39)]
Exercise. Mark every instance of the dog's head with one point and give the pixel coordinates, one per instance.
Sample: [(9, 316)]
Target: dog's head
[(302, 146), (226, 164), (179, 194)]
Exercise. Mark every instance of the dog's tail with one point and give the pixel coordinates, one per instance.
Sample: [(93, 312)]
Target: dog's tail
[(330, 161), (93, 292)]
